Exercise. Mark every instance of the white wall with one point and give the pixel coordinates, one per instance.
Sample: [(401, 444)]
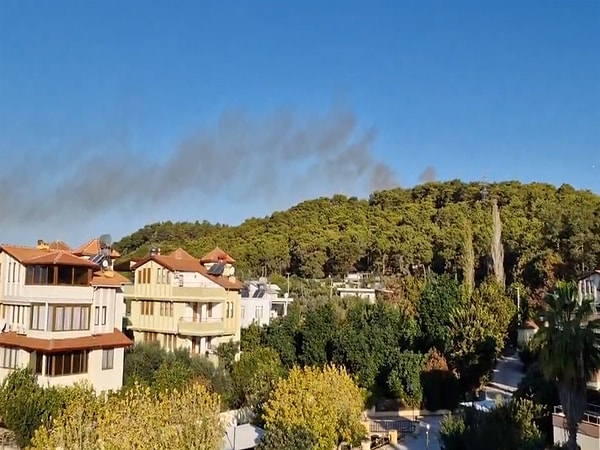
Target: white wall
[(585, 442)]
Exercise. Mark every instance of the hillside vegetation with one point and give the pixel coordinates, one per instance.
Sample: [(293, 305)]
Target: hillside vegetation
[(547, 233)]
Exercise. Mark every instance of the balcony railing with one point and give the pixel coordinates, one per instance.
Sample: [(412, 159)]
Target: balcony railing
[(591, 415), (204, 326)]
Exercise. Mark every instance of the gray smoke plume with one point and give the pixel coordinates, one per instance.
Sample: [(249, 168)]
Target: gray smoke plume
[(428, 175), (278, 159)]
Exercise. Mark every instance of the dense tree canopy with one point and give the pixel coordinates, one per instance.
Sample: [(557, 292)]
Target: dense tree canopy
[(324, 402), (547, 232)]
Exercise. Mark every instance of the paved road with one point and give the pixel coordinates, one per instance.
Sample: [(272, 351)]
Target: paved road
[(508, 373), (506, 377)]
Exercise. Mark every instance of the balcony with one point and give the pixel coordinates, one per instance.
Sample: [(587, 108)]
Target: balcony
[(168, 292), (209, 326)]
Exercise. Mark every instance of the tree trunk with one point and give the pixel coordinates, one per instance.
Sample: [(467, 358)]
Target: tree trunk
[(573, 403)]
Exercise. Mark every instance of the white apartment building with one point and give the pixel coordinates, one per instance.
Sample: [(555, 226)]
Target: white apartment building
[(61, 314), (261, 301)]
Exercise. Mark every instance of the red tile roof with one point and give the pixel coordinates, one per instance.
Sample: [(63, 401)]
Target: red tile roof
[(32, 255), (116, 339), (189, 265), (109, 279), (217, 255), (60, 245), (180, 254), (91, 248)]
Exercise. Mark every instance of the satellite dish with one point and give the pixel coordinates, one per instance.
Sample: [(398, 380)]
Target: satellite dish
[(105, 263), (232, 271), (105, 241)]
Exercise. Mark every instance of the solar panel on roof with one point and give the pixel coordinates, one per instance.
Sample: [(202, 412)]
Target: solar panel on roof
[(216, 269)]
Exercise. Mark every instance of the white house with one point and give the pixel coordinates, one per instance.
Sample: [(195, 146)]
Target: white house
[(61, 314), (261, 301), (590, 286)]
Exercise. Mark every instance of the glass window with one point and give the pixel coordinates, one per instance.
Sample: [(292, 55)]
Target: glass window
[(108, 357)]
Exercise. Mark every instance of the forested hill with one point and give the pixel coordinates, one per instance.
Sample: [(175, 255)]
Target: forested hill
[(548, 232)]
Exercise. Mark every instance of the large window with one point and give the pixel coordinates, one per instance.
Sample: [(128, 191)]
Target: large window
[(61, 275), (69, 317), (9, 357), (108, 358), (39, 275), (38, 316), (70, 363)]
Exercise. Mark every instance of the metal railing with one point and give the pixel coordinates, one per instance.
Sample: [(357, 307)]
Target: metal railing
[(591, 415), (403, 426)]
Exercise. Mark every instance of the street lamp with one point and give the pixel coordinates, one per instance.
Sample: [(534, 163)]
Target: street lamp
[(427, 435)]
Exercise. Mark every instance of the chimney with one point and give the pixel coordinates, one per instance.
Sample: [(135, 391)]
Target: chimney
[(41, 245), (154, 251)]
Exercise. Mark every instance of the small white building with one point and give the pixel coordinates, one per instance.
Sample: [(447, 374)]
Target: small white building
[(261, 301), (589, 287)]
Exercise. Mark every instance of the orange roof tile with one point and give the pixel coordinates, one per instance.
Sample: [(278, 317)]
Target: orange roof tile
[(60, 245), (116, 280), (91, 248), (189, 265), (116, 339), (57, 258), (32, 255), (180, 254), (216, 256)]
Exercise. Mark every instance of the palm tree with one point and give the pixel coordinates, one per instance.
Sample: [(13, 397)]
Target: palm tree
[(569, 351)]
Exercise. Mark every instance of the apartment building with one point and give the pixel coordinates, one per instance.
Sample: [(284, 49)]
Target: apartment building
[(184, 302), (262, 301), (588, 431), (61, 314)]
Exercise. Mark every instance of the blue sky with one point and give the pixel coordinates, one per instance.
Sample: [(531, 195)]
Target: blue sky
[(116, 114)]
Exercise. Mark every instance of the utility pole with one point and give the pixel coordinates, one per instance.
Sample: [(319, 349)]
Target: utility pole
[(518, 306)]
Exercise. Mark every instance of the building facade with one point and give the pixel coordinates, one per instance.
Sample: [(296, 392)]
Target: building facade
[(184, 302), (588, 431), (262, 301), (61, 315), (589, 287)]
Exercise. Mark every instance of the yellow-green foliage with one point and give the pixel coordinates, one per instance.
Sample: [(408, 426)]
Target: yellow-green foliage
[(136, 419), (326, 402)]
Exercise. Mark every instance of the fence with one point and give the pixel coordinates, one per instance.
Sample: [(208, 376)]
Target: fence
[(403, 426)]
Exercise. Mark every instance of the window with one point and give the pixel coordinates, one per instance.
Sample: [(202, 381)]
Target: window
[(159, 275), (57, 275), (38, 316), (147, 308), (9, 357), (166, 309), (229, 312), (169, 342), (164, 278), (104, 315), (243, 311), (108, 358), (69, 317), (258, 312), (14, 268), (96, 316), (149, 336), (69, 363)]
